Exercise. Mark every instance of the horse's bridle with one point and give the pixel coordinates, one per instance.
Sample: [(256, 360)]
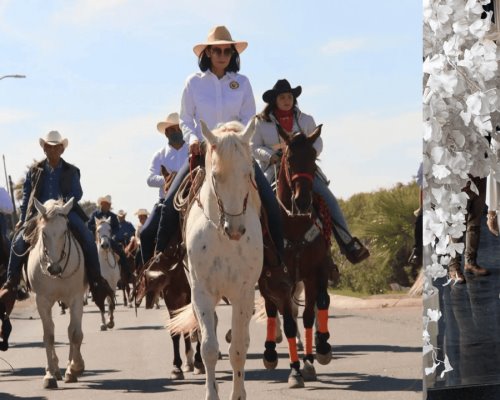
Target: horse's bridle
[(109, 250), (45, 259), (285, 165), (223, 214)]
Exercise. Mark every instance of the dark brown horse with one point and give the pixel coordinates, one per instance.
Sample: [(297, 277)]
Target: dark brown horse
[(307, 257)]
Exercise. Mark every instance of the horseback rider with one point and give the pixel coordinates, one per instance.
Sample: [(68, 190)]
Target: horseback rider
[(6, 209), (126, 230), (52, 178), (217, 94), (104, 211), (282, 109), (172, 157)]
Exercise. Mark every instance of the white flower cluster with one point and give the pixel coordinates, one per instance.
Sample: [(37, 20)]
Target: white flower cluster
[(460, 96)]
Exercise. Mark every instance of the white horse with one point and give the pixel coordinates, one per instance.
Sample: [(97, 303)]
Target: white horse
[(56, 273), (110, 269), (224, 250)]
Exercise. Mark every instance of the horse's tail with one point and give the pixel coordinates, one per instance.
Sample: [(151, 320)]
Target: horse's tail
[(183, 321)]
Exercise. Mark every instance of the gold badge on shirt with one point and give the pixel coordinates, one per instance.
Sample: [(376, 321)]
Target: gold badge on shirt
[(234, 85)]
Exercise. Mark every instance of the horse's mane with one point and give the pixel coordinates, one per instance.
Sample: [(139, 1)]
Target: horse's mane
[(230, 151), (53, 208)]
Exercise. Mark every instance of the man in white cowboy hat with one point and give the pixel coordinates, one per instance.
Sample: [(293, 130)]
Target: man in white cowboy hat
[(172, 156), (53, 178), (104, 211), (126, 230)]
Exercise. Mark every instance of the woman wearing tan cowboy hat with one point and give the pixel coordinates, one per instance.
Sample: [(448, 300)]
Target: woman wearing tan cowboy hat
[(282, 109), (217, 94)]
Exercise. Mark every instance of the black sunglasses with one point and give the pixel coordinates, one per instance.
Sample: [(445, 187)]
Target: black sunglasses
[(218, 51)]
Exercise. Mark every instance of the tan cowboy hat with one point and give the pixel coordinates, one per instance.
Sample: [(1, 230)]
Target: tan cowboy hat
[(121, 213), (219, 35), (142, 211), (172, 119), (53, 138), (103, 199)]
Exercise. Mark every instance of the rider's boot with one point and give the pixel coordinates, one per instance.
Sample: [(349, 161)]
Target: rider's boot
[(8, 294)]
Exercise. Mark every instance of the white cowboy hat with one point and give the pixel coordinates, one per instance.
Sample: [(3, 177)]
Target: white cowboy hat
[(53, 138), (121, 213), (172, 119), (142, 211), (106, 199), (219, 35)]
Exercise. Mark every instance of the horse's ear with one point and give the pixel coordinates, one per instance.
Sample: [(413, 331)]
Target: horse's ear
[(315, 135), (249, 131), (40, 207), (108, 220), (207, 133), (284, 135), (96, 220), (68, 206)]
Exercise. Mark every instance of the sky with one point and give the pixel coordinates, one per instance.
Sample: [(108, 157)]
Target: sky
[(104, 72)]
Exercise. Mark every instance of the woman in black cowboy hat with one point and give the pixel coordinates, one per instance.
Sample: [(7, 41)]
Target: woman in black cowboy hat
[(282, 109)]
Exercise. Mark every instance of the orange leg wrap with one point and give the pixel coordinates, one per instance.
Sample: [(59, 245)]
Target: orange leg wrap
[(271, 330), (292, 349), (323, 321), (309, 341)]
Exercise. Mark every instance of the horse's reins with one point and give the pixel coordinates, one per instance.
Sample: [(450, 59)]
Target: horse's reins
[(44, 257), (220, 205)]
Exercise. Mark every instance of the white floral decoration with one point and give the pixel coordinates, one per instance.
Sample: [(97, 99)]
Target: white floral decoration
[(459, 98)]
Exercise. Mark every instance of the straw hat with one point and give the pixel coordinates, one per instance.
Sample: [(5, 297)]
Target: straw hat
[(171, 120), (53, 138), (281, 86), (142, 211), (121, 213), (102, 199), (219, 35)]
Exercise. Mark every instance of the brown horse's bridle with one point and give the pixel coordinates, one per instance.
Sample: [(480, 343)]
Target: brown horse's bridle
[(285, 165)]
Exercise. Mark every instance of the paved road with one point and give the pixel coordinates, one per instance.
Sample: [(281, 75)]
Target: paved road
[(377, 355)]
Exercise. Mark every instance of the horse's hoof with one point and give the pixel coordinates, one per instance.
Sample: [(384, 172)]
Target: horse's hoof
[(228, 336), (111, 324), (130, 305), (219, 356), (270, 364), (309, 372), (104, 327), (70, 378), (199, 368), (176, 374), (324, 359), (63, 312), (279, 338), (49, 383), (58, 375), (295, 380), (188, 368)]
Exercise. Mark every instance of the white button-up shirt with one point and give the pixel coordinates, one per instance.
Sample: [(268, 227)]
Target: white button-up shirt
[(171, 159), (214, 101)]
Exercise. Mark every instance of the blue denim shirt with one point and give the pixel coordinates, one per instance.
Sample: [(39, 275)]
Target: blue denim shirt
[(50, 187)]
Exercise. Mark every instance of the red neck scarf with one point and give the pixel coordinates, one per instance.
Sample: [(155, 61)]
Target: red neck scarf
[(285, 119)]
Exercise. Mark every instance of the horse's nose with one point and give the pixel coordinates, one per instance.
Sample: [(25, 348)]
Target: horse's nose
[(303, 203), (105, 246), (234, 234), (54, 269)]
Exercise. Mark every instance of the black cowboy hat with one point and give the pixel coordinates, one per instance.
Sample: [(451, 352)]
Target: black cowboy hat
[(281, 86)]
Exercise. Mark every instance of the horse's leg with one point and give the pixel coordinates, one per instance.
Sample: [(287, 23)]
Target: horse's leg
[(309, 373), (295, 379), (270, 354), (52, 372), (204, 308), (189, 354), (199, 367), (323, 348), (240, 320), (111, 310), (299, 288), (76, 365), (103, 320), (177, 371)]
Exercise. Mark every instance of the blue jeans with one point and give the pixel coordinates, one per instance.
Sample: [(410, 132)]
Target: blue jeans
[(169, 220), (342, 234), (80, 230), (149, 231)]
